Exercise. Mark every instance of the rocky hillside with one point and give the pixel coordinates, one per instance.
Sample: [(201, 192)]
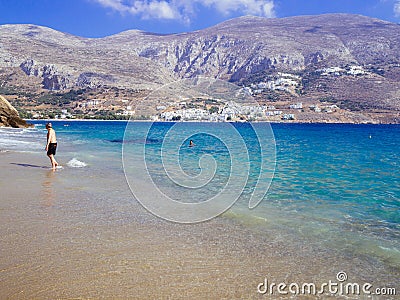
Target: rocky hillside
[(63, 61), (231, 50), (245, 50), (239, 47)]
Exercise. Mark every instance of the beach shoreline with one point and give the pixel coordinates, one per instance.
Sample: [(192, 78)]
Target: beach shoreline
[(64, 240), (302, 122)]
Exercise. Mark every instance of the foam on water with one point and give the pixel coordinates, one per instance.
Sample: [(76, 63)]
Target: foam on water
[(19, 139), (75, 163)]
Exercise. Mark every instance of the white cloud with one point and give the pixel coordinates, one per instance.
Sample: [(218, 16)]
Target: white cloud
[(153, 9), (184, 10), (396, 8), (249, 7), (268, 9), (114, 4)]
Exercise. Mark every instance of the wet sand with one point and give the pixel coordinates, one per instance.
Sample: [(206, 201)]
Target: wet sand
[(65, 238)]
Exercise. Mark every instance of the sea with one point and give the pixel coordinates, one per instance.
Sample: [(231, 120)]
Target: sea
[(330, 189)]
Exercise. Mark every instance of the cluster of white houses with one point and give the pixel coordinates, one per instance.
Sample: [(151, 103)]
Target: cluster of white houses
[(284, 82), (232, 111), (228, 113), (287, 82), (338, 71)]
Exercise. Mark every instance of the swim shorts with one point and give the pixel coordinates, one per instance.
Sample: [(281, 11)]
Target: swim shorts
[(52, 149)]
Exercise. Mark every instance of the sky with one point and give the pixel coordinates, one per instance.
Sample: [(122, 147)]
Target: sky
[(99, 18)]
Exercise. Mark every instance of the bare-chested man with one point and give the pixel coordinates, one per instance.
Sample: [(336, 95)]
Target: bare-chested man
[(51, 145)]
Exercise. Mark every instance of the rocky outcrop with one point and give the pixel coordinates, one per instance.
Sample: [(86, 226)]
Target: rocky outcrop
[(9, 116), (53, 79), (93, 80)]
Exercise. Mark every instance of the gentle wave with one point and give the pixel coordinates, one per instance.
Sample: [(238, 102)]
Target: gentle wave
[(18, 145), (75, 163)]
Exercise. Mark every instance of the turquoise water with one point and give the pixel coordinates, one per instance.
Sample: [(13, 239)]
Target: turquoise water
[(335, 186)]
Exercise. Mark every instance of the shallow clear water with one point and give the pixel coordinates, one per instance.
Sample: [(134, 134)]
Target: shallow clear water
[(341, 174), (334, 187)]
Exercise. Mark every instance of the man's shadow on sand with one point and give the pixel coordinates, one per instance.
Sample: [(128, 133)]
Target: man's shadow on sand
[(29, 166)]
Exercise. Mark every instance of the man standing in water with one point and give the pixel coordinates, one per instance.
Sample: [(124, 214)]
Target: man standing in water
[(51, 145)]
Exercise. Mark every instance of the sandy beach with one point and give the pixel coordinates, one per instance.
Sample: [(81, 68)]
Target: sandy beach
[(62, 240)]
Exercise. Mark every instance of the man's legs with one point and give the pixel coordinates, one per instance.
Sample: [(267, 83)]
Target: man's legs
[(54, 163)]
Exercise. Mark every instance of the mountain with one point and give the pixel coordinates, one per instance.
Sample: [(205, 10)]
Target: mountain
[(246, 50), (246, 45), (64, 61)]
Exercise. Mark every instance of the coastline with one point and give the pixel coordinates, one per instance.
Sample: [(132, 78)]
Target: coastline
[(199, 121)]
